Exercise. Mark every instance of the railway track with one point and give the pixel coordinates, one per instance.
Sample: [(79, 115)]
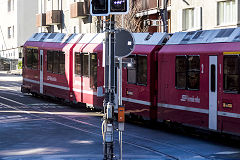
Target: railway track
[(73, 123)]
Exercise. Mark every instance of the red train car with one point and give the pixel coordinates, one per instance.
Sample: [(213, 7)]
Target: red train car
[(198, 80), (46, 68), (140, 80), (73, 70), (194, 79), (88, 72)]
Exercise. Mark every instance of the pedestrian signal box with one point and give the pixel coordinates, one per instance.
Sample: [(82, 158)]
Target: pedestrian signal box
[(99, 8), (121, 114), (106, 7), (119, 6)]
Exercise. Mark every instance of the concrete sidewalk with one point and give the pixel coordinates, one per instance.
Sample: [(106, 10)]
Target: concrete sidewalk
[(15, 72)]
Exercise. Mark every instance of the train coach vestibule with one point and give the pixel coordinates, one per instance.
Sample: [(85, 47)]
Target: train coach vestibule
[(86, 65)]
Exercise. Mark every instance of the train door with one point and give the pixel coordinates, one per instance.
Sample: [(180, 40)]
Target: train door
[(213, 92), (41, 71)]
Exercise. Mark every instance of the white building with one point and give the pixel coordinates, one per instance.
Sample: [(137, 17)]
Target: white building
[(189, 15), (18, 23), (65, 16)]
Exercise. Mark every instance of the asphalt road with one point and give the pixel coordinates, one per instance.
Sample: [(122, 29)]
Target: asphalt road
[(42, 129)]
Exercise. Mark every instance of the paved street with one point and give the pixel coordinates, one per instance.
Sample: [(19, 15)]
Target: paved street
[(42, 129)]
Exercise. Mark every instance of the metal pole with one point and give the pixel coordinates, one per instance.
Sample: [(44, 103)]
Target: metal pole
[(120, 100), (166, 16), (109, 82)]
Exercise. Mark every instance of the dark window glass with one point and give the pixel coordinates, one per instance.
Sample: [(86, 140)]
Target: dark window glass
[(93, 70), (187, 72), (85, 65), (181, 70), (29, 58), (193, 72), (61, 63), (78, 63), (132, 71), (213, 78), (41, 58), (55, 62), (231, 73), (32, 58), (49, 61), (142, 70), (35, 59)]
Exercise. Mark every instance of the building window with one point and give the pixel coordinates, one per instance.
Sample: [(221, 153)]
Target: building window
[(12, 4), (13, 31), (226, 12), (137, 73), (188, 18), (74, 29), (56, 62), (187, 75), (9, 5), (231, 73), (9, 32)]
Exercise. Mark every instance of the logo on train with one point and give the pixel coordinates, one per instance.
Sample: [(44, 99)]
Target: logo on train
[(50, 78), (186, 98)]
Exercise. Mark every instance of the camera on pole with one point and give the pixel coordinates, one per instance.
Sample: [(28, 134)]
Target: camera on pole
[(99, 8)]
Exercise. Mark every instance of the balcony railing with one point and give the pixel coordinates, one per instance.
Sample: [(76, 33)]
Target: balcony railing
[(151, 4)]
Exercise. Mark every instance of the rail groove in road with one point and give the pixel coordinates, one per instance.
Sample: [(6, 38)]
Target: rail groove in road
[(34, 111)]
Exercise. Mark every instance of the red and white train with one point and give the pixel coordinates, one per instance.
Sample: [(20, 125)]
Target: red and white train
[(193, 78)]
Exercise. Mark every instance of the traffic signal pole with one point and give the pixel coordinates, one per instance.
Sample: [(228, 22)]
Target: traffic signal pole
[(108, 8), (109, 82)]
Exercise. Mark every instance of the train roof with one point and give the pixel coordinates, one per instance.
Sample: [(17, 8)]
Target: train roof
[(96, 38), (205, 36), (140, 38), (54, 37)]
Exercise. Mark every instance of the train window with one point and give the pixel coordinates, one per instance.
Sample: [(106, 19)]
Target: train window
[(187, 72), (181, 69), (61, 63), (193, 72), (32, 58), (85, 65), (132, 72), (137, 73), (35, 59), (93, 70), (142, 70), (55, 62), (78, 63), (213, 78), (231, 73), (49, 61), (29, 58)]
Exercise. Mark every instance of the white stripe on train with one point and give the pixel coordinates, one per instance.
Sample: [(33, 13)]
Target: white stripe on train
[(198, 110), (178, 107)]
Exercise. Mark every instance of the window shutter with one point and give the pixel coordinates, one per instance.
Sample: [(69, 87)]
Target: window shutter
[(198, 18), (180, 20)]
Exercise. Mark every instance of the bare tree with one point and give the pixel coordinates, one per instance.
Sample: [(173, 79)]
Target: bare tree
[(131, 22)]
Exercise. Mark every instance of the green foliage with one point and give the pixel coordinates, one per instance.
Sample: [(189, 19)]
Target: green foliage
[(19, 64)]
